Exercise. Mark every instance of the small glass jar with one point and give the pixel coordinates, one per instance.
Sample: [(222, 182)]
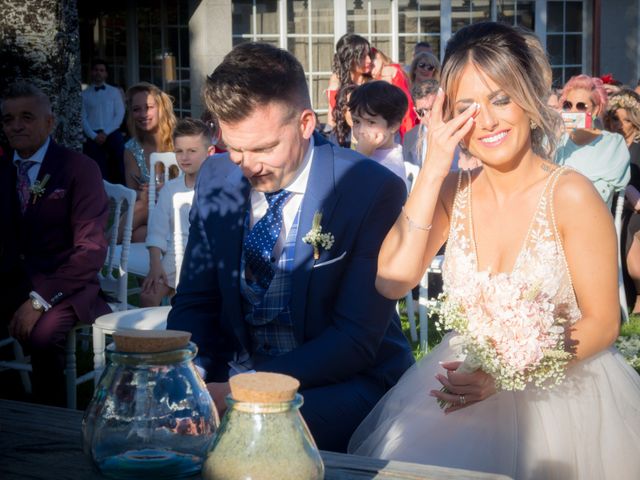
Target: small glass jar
[(263, 440), (151, 416)]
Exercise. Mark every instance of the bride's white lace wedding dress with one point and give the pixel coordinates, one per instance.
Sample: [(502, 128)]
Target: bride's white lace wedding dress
[(586, 428)]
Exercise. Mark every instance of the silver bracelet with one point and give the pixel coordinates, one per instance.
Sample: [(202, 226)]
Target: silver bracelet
[(414, 225)]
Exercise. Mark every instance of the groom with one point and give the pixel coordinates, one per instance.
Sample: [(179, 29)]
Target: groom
[(255, 291)]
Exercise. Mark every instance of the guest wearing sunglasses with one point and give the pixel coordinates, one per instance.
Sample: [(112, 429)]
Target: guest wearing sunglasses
[(424, 66), (601, 156)]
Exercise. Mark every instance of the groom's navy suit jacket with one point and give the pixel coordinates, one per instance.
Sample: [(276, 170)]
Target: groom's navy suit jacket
[(343, 326)]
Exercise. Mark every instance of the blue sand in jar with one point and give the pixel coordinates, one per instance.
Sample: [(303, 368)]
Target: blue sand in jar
[(150, 463)]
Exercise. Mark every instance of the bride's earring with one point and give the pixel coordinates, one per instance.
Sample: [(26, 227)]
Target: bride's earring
[(533, 125)]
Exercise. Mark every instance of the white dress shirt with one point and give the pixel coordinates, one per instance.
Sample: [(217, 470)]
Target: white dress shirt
[(101, 110), (37, 157), (297, 187)]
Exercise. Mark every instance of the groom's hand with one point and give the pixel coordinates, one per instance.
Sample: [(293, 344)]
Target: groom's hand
[(464, 388), (219, 392)]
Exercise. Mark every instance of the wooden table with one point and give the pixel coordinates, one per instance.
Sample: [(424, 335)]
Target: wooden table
[(38, 442)]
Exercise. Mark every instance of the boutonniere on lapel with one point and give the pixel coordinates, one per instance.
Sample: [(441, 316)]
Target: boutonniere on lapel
[(37, 189), (316, 238)]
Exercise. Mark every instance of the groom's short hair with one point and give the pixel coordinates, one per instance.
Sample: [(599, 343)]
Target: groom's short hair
[(254, 75)]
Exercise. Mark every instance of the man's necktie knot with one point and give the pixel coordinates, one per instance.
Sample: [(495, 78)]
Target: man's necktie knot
[(261, 240)]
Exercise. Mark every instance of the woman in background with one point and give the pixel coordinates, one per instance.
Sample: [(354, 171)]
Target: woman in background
[(601, 156), (424, 66), (150, 120)]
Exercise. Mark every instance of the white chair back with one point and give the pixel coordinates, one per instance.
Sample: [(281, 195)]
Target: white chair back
[(621, 255), (167, 159), (411, 171), (118, 256), (181, 207)]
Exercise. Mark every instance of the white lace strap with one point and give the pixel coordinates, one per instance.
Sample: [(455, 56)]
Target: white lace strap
[(552, 188)]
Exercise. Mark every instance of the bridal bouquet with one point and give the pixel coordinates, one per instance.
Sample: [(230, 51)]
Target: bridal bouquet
[(511, 331)]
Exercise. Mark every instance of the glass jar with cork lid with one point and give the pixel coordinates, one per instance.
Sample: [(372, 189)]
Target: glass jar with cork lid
[(262, 435), (151, 415)]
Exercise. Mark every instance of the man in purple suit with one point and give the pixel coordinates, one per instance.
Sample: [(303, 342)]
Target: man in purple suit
[(54, 212)]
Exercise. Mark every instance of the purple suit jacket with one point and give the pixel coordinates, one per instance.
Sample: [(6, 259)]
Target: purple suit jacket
[(59, 244)]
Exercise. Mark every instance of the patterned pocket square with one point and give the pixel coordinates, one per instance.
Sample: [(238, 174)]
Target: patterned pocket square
[(58, 193)]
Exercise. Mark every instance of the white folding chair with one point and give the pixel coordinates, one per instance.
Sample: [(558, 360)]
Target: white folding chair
[(139, 258), (624, 309), (152, 318), (181, 206), (113, 277), (425, 302), (167, 159), (21, 363)]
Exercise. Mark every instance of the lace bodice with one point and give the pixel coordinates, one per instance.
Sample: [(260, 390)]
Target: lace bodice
[(541, 264)]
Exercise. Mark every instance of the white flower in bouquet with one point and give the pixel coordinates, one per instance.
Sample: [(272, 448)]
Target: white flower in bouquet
[(511, 331)]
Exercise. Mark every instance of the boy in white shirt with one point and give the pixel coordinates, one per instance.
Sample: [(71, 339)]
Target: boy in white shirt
[(377, 109), (192, 144)]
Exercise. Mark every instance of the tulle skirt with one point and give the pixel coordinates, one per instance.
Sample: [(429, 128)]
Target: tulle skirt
[(586, 428)]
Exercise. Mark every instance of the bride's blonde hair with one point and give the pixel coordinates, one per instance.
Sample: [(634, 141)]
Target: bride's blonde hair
[(521, 69)]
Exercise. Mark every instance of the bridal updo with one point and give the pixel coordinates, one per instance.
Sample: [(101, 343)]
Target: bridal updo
[(515, 61)]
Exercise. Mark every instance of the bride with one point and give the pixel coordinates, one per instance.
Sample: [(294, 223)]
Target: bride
[(517, 220)]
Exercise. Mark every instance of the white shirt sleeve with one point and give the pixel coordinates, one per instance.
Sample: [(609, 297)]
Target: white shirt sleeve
[(118, 111), (86, 127)]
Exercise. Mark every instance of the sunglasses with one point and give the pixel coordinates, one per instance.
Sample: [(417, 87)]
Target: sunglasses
[(421, 112), (580, 106), (426, 66)]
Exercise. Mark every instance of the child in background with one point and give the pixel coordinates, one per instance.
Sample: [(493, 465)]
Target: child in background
[(377, 109), (192, 142)]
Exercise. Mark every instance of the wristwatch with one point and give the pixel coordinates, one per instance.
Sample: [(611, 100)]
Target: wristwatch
[(35, 303)]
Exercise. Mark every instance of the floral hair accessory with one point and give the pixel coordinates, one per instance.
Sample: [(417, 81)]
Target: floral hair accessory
[(623, 100), (38, 187), (608, 79), (316, 238)]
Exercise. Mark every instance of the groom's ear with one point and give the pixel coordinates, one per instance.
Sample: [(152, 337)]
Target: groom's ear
[(307, 123)]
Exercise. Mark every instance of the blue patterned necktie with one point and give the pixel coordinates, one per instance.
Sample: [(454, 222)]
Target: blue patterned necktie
[(23, 183), (260, 241)]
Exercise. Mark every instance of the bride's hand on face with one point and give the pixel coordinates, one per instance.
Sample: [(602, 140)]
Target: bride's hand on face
[(443, 137), (464, 388)]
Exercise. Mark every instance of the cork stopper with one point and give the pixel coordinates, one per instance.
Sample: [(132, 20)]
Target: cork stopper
[(263, 387), (150, 341)]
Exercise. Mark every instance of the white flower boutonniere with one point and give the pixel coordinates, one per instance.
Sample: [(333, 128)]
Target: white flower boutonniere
[(37, 189), (316, 238)]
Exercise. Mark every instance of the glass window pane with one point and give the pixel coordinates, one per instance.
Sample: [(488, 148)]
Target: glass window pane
[(405, 48), (574, 17), (241, 13), (571, 72), (184, 47), (300, 49), (555, 16), (322, 54), (171, 7), (239, 40), (507, 11), (267, 17), (380, 16), (408, 15), (357, 17), (573, 50), (322, 16), (554, 47), (319, 99), (297, 16), (558, 80), (526, 14), (429, 16), (184, 12), (383, 44)]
